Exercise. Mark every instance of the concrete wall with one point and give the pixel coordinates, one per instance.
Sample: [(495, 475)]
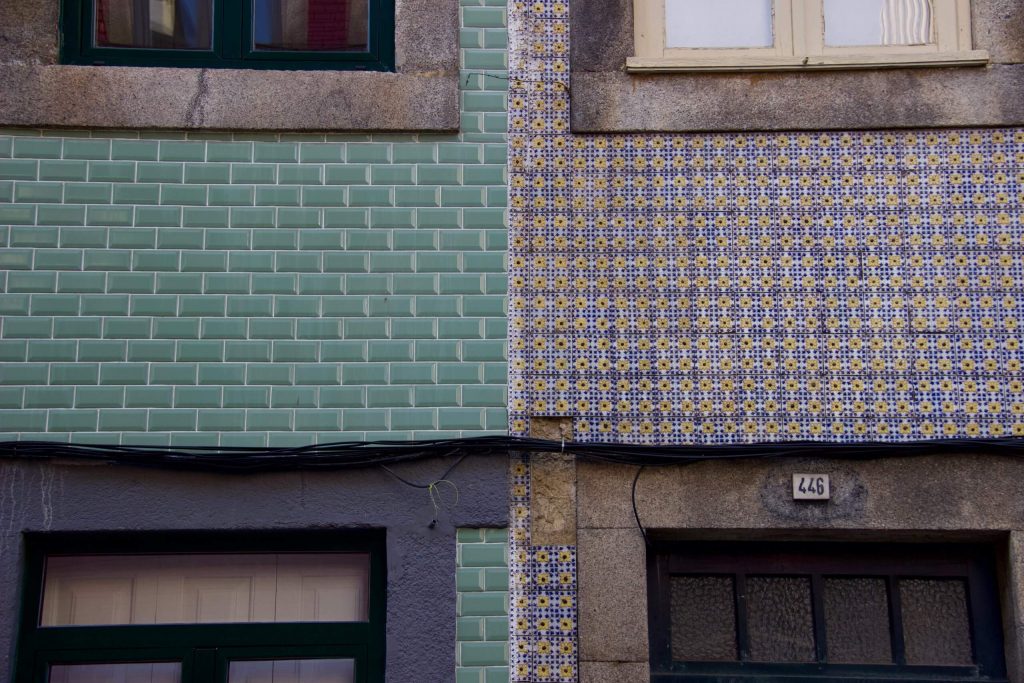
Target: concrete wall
[(606, 99), (421, 561), (898, 500), (264, 288)]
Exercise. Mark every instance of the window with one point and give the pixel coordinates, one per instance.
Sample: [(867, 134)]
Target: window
[(203, 609), (252, 34), (824, 612), (731, 35)]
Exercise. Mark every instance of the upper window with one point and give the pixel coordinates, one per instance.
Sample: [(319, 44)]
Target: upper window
[(260, 34), (727, 35), (220, 611), (823, 612)]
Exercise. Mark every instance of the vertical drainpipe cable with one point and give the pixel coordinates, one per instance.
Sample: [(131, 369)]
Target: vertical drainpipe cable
[(636, 514), (433, 488)]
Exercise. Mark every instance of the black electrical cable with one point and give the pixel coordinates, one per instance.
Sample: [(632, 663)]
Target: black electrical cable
[(368, 454), (636, 513)]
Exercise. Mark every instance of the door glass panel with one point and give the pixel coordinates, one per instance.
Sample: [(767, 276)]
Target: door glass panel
[(161, 24), (780, 619), (877, 22), (293, 671), (196, 589), (703, 619), (857, 621), (721, 24), (135, 672), (936, 629), (310, 25)]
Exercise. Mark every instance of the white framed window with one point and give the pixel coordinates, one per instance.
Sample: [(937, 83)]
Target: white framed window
[(754, 35)]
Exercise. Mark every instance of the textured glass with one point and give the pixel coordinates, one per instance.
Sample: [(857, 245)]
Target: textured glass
[(136, 672), (936, 629), (722, 23), (857, 621), (293, 671), (780, 619), (162, 24), (877, 22), (310, 25), (703, 619), (93, 590)]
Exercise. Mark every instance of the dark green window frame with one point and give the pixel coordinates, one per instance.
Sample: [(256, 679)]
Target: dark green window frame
[(231, 48), (204, 650)]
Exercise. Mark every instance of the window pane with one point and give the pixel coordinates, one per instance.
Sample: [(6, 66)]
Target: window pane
[(878, 22), (310, 25), (936, 629), (164, 24), (176, 589), (780, 619), (857, 621), (293, 671), (136, 672), (722, 23), (703, 619)]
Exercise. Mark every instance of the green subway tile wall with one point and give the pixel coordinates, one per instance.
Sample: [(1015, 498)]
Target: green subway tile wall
[(230, 289), (481, 580)]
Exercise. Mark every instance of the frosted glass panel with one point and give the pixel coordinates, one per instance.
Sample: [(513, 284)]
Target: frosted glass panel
[(857, 621), (936, 629), (703, 619), (780, 619), (293, 671), (141, 672), (722, 23), (877, 22), (166, 24), (194, 589)]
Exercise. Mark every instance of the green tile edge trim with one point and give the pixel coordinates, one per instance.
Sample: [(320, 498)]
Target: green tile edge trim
[(481, 582)]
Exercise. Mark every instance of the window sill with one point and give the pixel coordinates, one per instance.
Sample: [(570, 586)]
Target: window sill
[(853, 61)]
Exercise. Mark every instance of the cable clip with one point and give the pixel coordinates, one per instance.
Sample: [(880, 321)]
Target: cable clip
[(563, 444)]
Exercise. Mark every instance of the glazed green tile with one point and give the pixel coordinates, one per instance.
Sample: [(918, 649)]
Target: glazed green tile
[(157, 216), (413, 328), (135, 150), (414, 240), (496, 154), (346, 174), (13, 374), (290, 217), (367, 284), (460, 328), (36, 148), (436, 396), (127, 420), (226, 283), (316, 283), (364, 373), (229, 151), (458, 373), (316, 420), (105, 304), (413, 419), (182, 151), (197, 397), (34, 236), (167, 283), (54, 304), (369, 196), (368, 153), (72, 420), (253, 174), (438, 175), (151, 350), (22, 169), (499, 674), (366, 328), (275, 239), (483, 350), (119, 328), (496, 628), (419, 153), (99, 397), (329, 196), (321, 239), (172, 373), (482, 604), (176, 328), (496, 39), (356, 419), (81, 283), (490, 262), (274, 283), (320, 153), (57, 214), (232, 195), (484, 306), (459, 283), (462, 196), (295, 351), (162, 420), (250, 261), (300, 175), (128, 238), (203, 261), (438, 262), (368, 240), (313, 374), (415, 284), (246, 397), (438, 218), (392, 218), (14, 304), (276, 152), (253, 351), (417, 196), (391, 262), (70, 373), (16, 259), (51, 350), (484, 175), (160, 172), (111, 171), (346, 218), (221, 374), (63, 170), (88, 193), (123, 373), (299, 262), (223, 420), (38, 192), (273, 420), (34, 282), (342, 397), (268, 373), (226, 239), (18, 215), (253, 217), (109, 216)]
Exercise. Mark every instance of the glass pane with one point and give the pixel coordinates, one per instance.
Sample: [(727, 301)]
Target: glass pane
[(310, 25), (293, 671), (164, 24), (136, 672), (703, 619), (878, 22), (780, 619), (722, 23), (195, 589), (857, 621), (936, 629)]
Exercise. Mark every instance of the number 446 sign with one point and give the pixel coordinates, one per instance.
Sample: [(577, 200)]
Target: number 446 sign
[(811, 487)]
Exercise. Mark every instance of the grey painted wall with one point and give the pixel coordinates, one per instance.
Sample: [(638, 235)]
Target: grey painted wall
[(39, 497)]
